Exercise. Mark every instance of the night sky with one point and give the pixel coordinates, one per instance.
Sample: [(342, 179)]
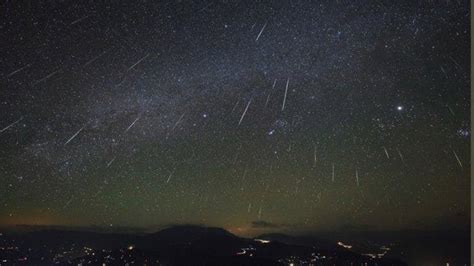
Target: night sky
[(248, 115)]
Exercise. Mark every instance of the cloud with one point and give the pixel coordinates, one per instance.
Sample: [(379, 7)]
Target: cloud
[(264, 224)]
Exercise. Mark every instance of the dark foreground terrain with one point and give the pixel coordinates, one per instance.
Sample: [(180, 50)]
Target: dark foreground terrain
[(195, 245)]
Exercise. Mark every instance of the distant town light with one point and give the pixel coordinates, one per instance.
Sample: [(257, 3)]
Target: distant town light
[(263, 241), (243, 252), (344, 245)]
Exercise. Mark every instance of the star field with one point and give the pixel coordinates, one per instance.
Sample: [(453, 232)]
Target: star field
[(295, 115)]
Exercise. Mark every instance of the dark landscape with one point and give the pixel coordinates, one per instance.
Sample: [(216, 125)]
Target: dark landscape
[(197, 245)]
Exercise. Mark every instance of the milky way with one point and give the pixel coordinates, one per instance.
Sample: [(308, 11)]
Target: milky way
[(299, 115)]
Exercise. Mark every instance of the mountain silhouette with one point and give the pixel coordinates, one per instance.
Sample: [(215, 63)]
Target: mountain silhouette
[(183, 234)]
